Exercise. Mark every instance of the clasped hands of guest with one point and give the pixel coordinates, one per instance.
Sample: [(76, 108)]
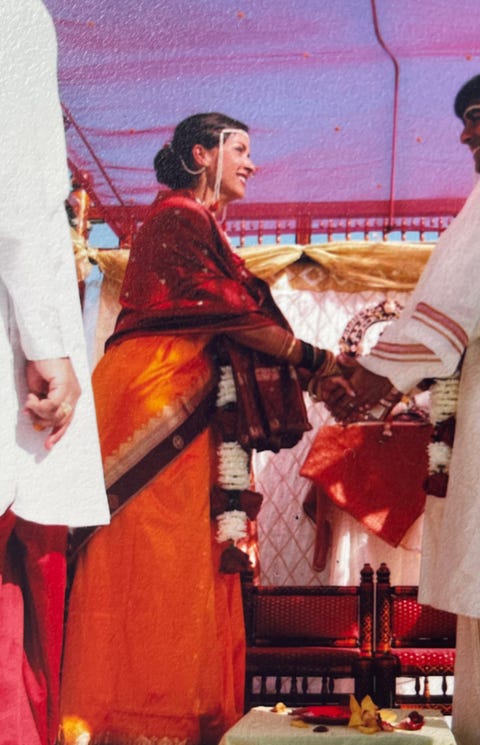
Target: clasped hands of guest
[(53, 394), (354, 392)]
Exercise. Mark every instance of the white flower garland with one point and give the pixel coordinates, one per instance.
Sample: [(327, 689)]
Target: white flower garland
[(232, 526), (226, 387), (233, 467), (443, 405), (439, 454), (443, 399)]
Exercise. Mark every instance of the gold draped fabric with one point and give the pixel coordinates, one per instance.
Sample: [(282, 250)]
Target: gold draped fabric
[(344, 266)]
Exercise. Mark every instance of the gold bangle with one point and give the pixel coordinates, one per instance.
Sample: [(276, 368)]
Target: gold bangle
[(291, 347), (329, 366)]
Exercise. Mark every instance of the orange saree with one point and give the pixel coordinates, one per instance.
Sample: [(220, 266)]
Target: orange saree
[(154, 641)]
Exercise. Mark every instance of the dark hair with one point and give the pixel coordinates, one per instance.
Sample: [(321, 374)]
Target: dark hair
[(174, 161), (469, 92)]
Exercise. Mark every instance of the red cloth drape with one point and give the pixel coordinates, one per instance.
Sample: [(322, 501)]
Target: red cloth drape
[(374, 471), (182, 277), (32, 590)]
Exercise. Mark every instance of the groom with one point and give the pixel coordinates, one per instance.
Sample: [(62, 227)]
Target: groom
[(438, 336)]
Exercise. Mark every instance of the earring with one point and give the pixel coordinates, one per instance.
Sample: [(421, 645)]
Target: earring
[(189, 170)]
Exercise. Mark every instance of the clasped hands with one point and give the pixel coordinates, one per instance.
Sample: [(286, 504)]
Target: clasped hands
[(53, 392), (352, 392)]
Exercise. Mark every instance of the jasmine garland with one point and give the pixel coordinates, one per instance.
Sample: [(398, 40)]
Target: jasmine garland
[(443, 407)]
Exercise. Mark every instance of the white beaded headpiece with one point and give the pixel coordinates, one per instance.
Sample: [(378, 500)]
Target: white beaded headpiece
[(218, 176)]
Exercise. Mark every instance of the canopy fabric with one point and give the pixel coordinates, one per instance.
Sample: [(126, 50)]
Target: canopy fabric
[(348, 101)]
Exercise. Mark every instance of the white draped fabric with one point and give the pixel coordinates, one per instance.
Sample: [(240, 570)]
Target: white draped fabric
[(261, 726)]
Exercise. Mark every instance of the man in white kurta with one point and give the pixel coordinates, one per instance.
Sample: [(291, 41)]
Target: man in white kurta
[(50, 466), (438, 331)]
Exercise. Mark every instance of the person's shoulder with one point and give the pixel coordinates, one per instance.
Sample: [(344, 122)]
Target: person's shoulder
[(181, 207), (182, 200)]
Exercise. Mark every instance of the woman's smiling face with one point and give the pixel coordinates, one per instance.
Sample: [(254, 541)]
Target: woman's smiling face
[(237, 166)]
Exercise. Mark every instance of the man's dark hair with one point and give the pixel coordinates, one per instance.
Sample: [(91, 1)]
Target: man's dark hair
[(469, 92)]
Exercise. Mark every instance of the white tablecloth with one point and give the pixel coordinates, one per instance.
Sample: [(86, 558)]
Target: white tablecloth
[(262, 727)]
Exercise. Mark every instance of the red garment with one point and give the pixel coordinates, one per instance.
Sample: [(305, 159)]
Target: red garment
[(32, 590), (182, 276), (373, 471)]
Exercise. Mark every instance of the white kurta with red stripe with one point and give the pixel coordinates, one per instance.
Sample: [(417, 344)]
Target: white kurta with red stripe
[(439, 325)]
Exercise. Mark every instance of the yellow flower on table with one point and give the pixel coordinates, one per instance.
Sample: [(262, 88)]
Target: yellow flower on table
[(368, 718)]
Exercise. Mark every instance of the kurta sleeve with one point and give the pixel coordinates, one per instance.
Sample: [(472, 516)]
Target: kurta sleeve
[(35, 244), (443, 313)]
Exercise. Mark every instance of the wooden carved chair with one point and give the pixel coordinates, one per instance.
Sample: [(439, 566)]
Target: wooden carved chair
[(413, 641), (301, 640)]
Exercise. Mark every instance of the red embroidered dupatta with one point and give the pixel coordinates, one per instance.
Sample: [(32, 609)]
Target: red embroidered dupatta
[(182, 278)]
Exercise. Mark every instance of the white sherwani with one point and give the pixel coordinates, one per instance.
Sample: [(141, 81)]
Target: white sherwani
[(440, 323), (39, 303)]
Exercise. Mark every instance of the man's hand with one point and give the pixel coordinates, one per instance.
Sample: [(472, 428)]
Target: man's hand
[(334, 387), (369, 390), (350, 397), (53, 394)]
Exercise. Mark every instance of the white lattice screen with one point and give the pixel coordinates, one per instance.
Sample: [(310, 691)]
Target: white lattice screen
[(285, 533)]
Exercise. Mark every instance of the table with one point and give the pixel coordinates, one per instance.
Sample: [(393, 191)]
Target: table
[(263, 727)]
